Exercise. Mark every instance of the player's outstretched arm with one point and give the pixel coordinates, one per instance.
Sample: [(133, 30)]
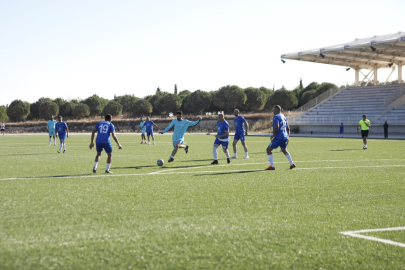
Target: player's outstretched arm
[(168, 128), (116, 140), (92, 138)]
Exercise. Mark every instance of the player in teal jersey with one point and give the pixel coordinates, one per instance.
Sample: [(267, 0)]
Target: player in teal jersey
[(51, 130), (143, 128), (180, 128)]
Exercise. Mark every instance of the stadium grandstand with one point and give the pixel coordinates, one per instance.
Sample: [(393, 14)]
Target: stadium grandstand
[(384, 102)]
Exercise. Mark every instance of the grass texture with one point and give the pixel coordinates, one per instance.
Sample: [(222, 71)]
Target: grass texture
[(56, 214)]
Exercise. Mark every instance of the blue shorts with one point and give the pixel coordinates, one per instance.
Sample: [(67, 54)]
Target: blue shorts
[(282, 142), (62, 138), (52, 133), (239, 136), (149, 133), (224, 143), (178, 141), (107, 147)]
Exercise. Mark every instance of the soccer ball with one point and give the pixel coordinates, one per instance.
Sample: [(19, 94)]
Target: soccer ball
[(160, 162)]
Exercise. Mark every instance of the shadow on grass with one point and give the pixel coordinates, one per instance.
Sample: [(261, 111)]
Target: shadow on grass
[(55, 176), (339, 150), (226, 173), (197, 160), (162, 167)]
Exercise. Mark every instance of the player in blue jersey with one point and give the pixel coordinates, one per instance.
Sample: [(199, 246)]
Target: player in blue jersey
[(341, 130), (51, 130), (149, 129), (222, 137), (143, 128), (180, 127), (63, 133), (104, 129), (241, 130), (280, 137)]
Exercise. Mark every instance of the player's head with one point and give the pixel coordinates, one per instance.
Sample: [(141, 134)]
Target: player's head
[(147, 118), (221, 117), (52, 117), (179, 115), (108, 117), (236, 112), (364, 117), (277, 109), (341, 123), (60, 118), (141, 119)]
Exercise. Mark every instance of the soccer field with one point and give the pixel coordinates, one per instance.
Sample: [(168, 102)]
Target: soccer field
[(189, 214)]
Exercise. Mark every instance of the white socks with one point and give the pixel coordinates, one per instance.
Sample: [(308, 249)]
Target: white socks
[(288, 156), (50, 139), (64, 147), (153, 142), (108, 166), (227, 154), (60, 147), (215, 153), (95, 164), (270, 157)]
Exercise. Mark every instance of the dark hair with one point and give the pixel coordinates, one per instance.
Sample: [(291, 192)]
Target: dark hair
[(364, 115), (179, 112), (278, 107), (108, 117)]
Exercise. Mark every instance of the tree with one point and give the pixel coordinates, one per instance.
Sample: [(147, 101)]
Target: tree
[(229, 97), (157, 90), (66, 109), (168, 103), (81, 110), (268, 92), (47, 109), (34, 107), (127, 102), (255, 99), (142, 107), (3, 114), (323, 88), (59, 101), (197, 101), (213, 107), (184, 96), (309, 87), (175, 89), (18, 110), (297, 91), (286, 99), (184, 93), (96, 104), (306, 97), (154, 98), (113, 107)]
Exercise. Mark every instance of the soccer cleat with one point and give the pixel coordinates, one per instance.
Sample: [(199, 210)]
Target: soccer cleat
[(108, 171), (94, 169), (365, 147), (141, 142), (64, 151), (271, 168), (234, 156), (228, 160), (292, 166), (186, 149), (214, 162), (171, 159), (58, 151), (246, 157), (49, 145)]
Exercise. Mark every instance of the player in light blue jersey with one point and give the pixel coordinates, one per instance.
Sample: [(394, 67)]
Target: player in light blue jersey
[(51, 130), (149, 129), (104, 129), (222, 137), (280, 137), (241, 130), (63, 133), (180, 127), (143, 128)]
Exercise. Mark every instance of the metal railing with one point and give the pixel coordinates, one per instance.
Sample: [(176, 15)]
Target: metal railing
[(352, 119), (318, 99)]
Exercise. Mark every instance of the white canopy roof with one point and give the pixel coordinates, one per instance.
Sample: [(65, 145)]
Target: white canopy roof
[(366, 53)]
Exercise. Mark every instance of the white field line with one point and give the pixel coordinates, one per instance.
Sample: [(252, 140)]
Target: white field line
[(385, 241), (173, 171)]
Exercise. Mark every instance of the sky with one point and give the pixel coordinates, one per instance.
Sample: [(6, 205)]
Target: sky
[(74, 49)]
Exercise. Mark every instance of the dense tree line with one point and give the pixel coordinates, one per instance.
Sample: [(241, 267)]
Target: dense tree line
[(226, 98)]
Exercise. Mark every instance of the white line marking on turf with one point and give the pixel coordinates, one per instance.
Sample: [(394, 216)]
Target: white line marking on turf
[(172, 171), (385, 241)]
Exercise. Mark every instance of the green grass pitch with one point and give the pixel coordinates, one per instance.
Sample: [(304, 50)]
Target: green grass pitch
[(56, 214)]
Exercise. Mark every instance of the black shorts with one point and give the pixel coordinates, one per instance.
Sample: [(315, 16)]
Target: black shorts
[(364, 133), (2, 129)]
